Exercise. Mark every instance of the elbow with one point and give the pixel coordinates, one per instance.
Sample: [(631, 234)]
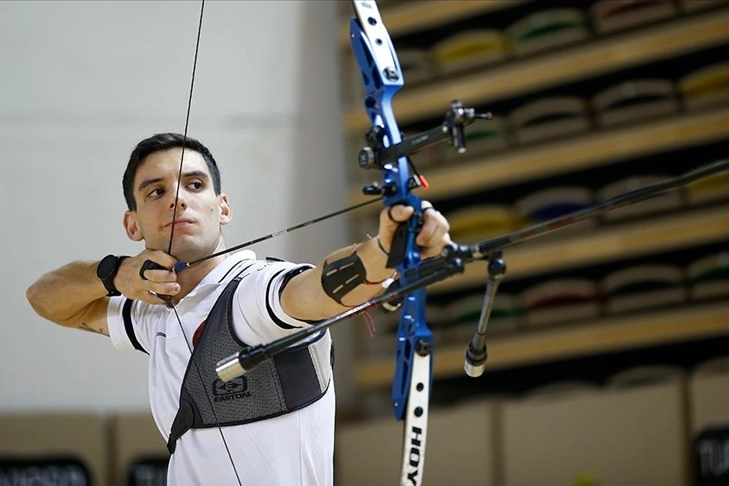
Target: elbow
[(39, 301), (34, 296)]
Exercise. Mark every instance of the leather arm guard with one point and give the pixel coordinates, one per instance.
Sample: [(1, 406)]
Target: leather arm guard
[(339, 277)]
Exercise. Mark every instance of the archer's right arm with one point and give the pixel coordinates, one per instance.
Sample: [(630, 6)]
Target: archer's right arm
[(73, 296)]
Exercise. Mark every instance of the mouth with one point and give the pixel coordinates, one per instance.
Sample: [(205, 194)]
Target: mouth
[(179, 223)]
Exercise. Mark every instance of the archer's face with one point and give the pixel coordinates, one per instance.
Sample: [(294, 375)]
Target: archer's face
[(197, 222)]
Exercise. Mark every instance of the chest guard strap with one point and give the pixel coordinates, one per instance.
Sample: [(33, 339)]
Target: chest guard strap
[(289, 381)]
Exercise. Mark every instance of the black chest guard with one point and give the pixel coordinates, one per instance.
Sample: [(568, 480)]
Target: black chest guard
[(287, 382)]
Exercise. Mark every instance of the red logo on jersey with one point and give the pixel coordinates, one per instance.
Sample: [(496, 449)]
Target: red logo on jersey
[(198, 331)]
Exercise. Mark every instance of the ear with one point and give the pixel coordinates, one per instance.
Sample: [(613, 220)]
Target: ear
[(132, 227), (226, 212)]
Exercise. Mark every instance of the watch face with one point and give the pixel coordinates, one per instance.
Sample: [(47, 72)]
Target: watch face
[(107, 266)]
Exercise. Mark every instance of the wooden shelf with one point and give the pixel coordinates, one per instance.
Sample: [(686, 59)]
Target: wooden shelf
[(411, 17), (591, 150), (598, 56), (606, 335), (652, 235)]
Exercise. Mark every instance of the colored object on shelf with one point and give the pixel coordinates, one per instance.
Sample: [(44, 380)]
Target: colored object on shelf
[(643, 286), (708, 276), (474, 223), (469, 49), (548, 29), (561, 300), (615, 15), (706, 86), (465, 312), (711, 189), (549, 118), (587, 478), (668, 201), (555, 202), (635, 100)]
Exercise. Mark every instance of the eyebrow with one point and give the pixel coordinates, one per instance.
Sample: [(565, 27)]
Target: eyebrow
[(194, 173)]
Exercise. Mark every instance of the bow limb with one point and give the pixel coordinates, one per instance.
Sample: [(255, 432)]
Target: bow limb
[(382, 77)]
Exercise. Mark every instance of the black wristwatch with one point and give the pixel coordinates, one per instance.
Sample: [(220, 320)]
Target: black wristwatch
[(106, 271)]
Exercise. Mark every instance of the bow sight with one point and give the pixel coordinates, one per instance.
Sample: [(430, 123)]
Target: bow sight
[(376, 155)]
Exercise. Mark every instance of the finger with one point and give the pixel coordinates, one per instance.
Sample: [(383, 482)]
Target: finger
[(398, 214), (153, 298), (434, 247), (435, 228), (172, 288), (164, 298), (156, 293)]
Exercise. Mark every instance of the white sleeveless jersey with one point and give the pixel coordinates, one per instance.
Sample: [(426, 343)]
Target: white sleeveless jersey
[(293, 449)]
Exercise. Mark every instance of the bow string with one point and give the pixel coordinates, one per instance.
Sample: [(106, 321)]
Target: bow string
[(168, 299)]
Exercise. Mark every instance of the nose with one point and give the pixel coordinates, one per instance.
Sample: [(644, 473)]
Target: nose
[(179, 200)]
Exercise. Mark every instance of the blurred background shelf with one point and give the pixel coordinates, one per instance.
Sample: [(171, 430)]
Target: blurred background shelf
[(591, 98), (667, 232), (596, 337), (619, 141), (582, 152), (407, 17), (594, 57)]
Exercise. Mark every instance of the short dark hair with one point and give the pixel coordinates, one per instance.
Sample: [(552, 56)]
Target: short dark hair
[(157, 143)]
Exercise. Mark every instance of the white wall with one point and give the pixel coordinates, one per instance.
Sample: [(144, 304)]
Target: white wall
[(82, 83)]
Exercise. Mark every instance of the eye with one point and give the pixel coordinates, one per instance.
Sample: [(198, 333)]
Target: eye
[(156, 192), (196, 185)]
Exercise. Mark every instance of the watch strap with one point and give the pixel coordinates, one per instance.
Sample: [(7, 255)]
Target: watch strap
[(107, 275)]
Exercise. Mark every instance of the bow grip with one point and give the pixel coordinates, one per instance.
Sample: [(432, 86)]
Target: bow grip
[(400, 241)]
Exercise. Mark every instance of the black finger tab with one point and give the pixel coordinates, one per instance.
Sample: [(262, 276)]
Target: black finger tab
[(149, 265), (389, 215), (397, 247)]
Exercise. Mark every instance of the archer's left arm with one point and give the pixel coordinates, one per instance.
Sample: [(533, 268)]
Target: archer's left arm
[(352, 275)]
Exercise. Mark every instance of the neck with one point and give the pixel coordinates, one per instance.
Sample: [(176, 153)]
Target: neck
[(191, 276)]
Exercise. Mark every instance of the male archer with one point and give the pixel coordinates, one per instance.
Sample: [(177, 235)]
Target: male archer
[(277, 421)]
